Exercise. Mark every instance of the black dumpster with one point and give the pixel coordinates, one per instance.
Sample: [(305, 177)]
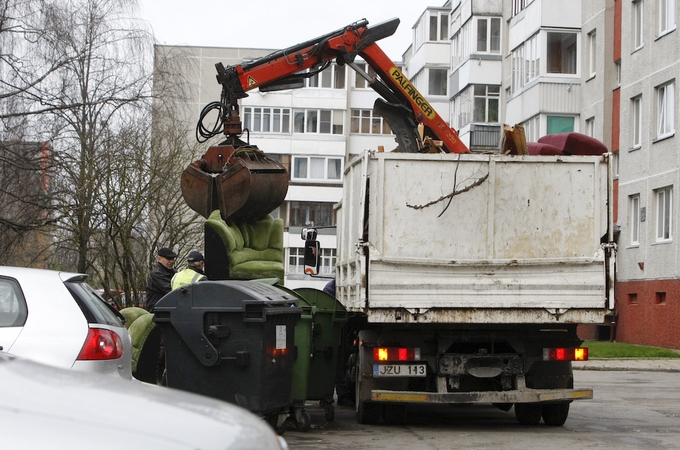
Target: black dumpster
[(232, 340)]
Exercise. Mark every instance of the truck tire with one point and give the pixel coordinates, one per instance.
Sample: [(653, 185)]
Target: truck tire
[(528, 413), (555, 414)]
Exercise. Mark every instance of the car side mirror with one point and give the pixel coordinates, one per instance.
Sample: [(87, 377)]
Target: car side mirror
[(312, 259)]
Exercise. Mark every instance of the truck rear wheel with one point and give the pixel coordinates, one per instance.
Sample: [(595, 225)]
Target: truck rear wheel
[(555, 414), (528, 413)]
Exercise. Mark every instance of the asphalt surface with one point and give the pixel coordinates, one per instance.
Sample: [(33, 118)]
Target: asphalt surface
[(630, 364)]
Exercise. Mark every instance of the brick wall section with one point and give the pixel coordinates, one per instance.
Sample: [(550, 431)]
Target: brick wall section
[(649, 312)]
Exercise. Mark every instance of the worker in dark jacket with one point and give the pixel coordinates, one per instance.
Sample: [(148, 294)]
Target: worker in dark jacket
[(158, 281), (193, 272)]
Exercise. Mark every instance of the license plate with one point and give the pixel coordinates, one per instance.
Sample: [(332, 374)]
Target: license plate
[(399, 370)]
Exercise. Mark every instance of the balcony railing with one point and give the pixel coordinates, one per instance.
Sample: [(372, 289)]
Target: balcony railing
[(484, 137)]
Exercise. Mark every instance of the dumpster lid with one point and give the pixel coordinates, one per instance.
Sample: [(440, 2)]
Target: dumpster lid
[(226, 295)]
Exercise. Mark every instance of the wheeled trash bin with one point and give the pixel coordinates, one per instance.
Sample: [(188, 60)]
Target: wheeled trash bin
[(232, 340), (328, 318)]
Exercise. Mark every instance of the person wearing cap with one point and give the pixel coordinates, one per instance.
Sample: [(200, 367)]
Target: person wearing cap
[(193, 272), (158, 281)]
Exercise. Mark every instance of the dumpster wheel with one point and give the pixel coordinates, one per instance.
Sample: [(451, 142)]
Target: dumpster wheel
[(304, 423)]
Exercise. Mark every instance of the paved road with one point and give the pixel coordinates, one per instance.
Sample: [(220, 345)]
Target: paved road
[(636, 405)]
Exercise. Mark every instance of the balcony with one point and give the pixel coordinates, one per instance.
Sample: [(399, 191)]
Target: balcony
[(484, 137)]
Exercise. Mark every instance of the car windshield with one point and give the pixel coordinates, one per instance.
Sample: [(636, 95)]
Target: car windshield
[(94, 307)]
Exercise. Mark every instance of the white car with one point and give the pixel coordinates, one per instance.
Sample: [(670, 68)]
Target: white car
[(47, 407), (56, 318)]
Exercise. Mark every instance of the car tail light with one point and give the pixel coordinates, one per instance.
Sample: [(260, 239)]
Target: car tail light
[(565, 354), (396, 354), (101, 344)]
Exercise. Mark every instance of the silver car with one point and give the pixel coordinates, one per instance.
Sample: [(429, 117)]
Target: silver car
[(56, 318), (47, 407)]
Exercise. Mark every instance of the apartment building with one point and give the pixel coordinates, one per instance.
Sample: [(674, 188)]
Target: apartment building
[(647, 59)]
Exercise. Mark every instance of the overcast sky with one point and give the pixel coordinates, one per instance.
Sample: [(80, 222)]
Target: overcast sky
[(275, 24)]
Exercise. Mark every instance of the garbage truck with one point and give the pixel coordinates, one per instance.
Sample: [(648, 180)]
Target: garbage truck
[(465, 276)]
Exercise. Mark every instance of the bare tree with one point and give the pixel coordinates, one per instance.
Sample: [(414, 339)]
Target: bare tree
[(80, 78)]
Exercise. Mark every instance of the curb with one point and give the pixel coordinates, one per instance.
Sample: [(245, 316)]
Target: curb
[(633, 365)]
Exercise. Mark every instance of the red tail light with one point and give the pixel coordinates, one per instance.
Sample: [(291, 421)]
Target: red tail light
[(101, 344), (565, 354), (396, 354)]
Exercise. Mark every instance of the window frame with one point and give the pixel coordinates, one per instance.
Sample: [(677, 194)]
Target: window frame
[(592, 53), (276, 115), (304, 208), (313, 160), (431, 80), (488, 35), (564, 57), (665, 112), (638, 17), (488, 98), (636, 121), (634, 205), (360, 117), (664, 214), (666, 22)]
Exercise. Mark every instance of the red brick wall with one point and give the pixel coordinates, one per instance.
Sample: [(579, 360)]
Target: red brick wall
[(649, 312)]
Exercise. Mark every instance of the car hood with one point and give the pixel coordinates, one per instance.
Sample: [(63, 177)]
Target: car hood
[(42, 405)]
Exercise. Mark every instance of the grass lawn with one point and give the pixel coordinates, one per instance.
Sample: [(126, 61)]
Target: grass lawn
[(606, 349)]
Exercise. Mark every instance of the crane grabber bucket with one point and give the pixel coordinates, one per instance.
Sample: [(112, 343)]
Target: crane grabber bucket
[(242, 182)]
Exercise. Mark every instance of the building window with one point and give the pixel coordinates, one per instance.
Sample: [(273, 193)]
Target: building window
[(316, 168), (486, 103), (327, 265), (318, 121), (592, 53), (462, 108), (636, 121), (590, 127), (296, 263), (665, 125), (562, 52), (634, 201), (363, 121), (359, 81), (439, 26), (461, 45), (437, 82), (532, 128), (638, 24), (296, 260), (489, 35), (266, 120), (518, 69), (618, 73), (660, 298), (560, 124), (633, 298), (664, 210), (519, 5), (333, 77), (532, 52), (666, 16), (307, 214)]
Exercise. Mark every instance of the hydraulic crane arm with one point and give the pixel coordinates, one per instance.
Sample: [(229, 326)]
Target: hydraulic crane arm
[(403, 107), (241, 181)]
